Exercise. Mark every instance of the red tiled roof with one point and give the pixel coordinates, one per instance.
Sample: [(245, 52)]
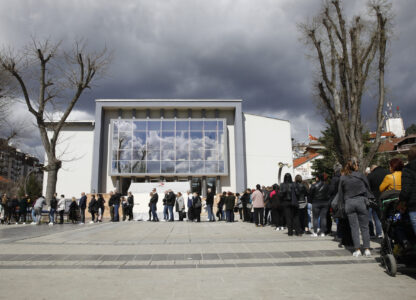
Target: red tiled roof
[(301, 160), (5, 180), (388, 145), (383, 134)]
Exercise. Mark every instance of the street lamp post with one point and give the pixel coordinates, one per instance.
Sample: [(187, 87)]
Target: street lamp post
[(281, 165)]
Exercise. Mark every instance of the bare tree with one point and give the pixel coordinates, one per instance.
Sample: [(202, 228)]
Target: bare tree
[(347, 57), (59, 78)]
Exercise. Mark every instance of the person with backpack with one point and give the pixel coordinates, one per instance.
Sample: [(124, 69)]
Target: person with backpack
[(197, 205), (301, 192), (320, 205), (52, 209), (290, 205)]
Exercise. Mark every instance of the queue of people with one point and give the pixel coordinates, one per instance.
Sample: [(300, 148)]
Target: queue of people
[(350, 199)]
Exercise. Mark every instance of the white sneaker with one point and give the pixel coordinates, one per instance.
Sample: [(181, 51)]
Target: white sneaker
[(50, 224), (277, 229), (33, 223), (322, 234), (357, 253), (81, 223), (380, 236), (17, 223), (91, 222), (367, 252), (314, 234), (281, 228)]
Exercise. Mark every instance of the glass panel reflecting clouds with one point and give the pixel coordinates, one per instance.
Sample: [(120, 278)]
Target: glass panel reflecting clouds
[(168, 146)]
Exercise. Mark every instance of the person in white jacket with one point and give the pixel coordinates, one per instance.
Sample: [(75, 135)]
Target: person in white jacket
[(61, 209)]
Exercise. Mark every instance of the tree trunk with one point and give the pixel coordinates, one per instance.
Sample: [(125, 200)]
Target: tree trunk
[(52, 170)]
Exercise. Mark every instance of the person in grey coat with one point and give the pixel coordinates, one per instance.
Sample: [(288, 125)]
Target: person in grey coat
[(40, 202), (180, 206), (354, 192)]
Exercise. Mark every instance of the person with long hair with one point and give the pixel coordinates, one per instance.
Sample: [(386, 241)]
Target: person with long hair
[(354, 192), (393, 180), (301, 191), (320, 205), (290, 205)]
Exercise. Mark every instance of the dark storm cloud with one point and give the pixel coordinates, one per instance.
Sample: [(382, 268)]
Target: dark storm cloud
[(207, 49)]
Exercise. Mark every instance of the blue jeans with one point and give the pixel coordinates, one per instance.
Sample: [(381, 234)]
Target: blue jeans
[(33, 215), (210, 213), (165, 212), (372, 215), (52, 215), (153, 208), (170, 208), (412, 215), (116, 217)]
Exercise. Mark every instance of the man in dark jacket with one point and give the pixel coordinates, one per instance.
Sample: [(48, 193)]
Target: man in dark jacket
[(82, 206), (116, 203), (52, 210), (23, 208), (408, 192), (170, 202), (153, 202), (111, 206), (375, 178), (210, 204), (320, 204)]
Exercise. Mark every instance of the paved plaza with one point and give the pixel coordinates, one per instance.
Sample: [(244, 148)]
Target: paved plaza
[(181, 260)]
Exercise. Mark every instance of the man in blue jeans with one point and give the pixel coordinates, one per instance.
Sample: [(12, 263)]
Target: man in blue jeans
[(117, 200), (52, 210), (170, 203), (408, 192), (210, 203)]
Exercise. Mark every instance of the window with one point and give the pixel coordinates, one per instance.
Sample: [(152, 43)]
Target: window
[(168, 147)]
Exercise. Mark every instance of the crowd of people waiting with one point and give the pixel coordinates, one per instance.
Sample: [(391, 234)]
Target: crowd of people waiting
[(350, 198)]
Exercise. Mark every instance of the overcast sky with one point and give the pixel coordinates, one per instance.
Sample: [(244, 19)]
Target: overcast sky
[(246, 50)]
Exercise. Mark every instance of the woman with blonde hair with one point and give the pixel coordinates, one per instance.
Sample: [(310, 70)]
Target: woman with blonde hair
[(354, 192)]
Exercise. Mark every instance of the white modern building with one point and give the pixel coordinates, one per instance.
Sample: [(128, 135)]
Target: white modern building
[(209, 143)]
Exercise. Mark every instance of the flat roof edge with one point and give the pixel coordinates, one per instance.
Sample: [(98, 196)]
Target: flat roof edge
[(168, 100)]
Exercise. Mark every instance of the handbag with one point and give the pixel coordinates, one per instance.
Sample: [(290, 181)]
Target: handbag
[(370, 200)]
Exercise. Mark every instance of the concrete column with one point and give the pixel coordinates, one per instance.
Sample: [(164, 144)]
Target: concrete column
[(118, 184), (218, 184), (204, 186)]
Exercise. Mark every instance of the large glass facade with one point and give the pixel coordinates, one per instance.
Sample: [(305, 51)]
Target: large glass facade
[(168, 146)]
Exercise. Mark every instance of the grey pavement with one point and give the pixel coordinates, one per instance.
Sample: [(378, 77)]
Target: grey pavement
[(184, 260)]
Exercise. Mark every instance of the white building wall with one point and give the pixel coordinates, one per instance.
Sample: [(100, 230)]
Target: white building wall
[(305, 170), (75, 150), (396, 126), (268, 142)]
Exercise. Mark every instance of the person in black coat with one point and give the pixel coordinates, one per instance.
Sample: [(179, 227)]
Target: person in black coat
[(220, 212), (73, 211), (290, 205), (301, 192), (245, 200), (320, 204), (101, 207), (408, 192), (82, 206), (197, 204), (23, 208), (229, 207), (130, 200), (154, 198), (170, 202), (93, 208), (276, 207)]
